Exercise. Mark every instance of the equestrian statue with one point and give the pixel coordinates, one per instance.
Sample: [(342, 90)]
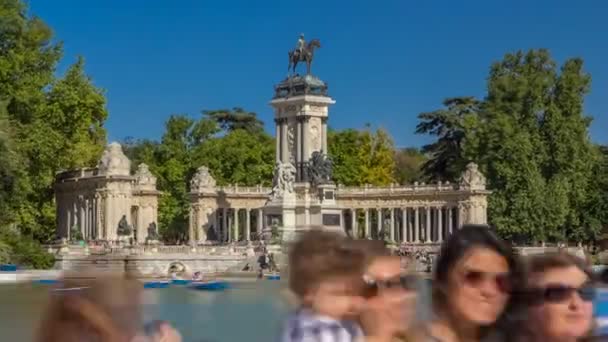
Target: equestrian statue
[(303, 53)]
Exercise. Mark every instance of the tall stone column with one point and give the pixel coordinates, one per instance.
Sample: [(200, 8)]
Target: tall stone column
[(278, 140), (367, 224), (284, 141), (392, 224), (235, 230), (324, 134), (109, 232), (404, 225), (248, 224), (379, 220), (427, 238), (224, 224), (306, 138), (416, 231), (353, 223), (298, 149), (260, 222), (450, 218), (191, 225), (440, 224)]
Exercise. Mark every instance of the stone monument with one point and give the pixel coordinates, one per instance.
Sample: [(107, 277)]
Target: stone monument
[(303, 194)]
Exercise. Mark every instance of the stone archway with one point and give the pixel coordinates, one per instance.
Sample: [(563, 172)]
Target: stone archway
[(180, 269)]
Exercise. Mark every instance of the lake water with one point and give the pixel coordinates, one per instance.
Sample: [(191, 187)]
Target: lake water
[(251, 311)]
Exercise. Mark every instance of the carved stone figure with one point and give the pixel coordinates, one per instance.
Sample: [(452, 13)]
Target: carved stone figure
[(284, 177), (291, 142), (124, 229), (113, 161), (153, 232), (145, 178), (202, 180), (472, 178), (320, 168)]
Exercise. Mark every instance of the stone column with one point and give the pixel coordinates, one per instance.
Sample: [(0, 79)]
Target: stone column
[(367, 224), (324, 134), (416, 231), (298, 149), (191, 225), (392, 224), (284, 143), (450, 223), (440, 224), (353, 223), (378, 220), (248, 224), (260, 222), (404, 224), (306, 139), (427, 238), (235, 230), (108, 234), (224, 230), (84, 226), (278, 140)]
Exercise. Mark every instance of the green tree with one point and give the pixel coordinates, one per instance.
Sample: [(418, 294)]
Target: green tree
[(449, 125), (376, 154), (362, 157), (344, 151), (237, 118), (238, 157), (56, 124), (530, 137), (408, 165)]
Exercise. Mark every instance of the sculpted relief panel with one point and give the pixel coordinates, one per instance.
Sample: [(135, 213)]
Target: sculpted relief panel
[(315, 134)]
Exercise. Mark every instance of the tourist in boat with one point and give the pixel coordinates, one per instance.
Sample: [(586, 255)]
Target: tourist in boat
[(557, 304), (471, 287), (197, 276), (390, 307), (103, 309), (327, 277)]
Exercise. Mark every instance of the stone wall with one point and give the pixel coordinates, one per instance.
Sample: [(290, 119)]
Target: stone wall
[(149, 261)]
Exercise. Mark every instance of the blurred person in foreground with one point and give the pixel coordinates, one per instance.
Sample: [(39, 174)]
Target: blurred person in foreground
[(472, 280), (557, 302), (326, 275), (100, 308), (390, 305)]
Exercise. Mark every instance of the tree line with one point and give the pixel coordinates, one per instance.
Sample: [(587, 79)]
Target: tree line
[(529, 135)]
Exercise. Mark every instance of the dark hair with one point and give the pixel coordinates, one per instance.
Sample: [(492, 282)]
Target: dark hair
[(101, 307), (457, 246), (521, 301), (320, 255), (543, 262)]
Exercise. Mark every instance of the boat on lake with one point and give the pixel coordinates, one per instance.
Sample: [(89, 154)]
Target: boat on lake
[(156, 284), (210, 285)]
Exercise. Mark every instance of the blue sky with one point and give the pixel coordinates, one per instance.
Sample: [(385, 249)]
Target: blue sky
[(384, 61)]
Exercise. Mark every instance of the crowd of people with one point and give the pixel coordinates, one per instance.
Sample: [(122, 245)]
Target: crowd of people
[(357, 290)]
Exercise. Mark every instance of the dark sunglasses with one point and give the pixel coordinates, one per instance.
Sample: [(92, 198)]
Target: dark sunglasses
[(406, 282), (477, 278), (562, 293)]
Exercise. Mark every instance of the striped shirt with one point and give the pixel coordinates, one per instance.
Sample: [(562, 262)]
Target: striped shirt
[(305, 326)]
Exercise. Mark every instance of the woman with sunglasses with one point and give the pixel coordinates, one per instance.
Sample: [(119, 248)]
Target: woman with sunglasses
[(471, 286), (558, 300), (390, 305)]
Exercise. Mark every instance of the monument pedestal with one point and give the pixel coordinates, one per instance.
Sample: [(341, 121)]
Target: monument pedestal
[(325, 211), (280, 218)]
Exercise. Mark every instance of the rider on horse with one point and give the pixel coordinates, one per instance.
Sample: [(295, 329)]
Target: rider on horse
[(300, 45)]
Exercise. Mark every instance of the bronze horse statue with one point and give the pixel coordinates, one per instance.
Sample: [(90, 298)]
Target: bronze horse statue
[(307, 55)]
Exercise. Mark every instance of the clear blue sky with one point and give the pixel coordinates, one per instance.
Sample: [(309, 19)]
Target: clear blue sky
[(385, 61)]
